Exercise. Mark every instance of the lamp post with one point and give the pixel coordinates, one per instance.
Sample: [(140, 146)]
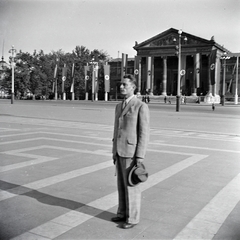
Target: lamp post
[(179, 54), (13, 51), (224, 57)]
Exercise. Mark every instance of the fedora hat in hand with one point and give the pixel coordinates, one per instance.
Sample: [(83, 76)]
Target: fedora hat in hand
[(137, 174)]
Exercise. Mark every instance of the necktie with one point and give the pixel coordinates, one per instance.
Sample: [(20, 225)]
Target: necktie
[(124, 103)]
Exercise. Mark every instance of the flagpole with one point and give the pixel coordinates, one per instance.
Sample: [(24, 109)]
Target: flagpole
[(106, 69), (87, 79), (236, 89), (96, 82), (63, 80), (72, 85), (55, 75), (13, 51), (224, 57), (179, 69), (73, 96)]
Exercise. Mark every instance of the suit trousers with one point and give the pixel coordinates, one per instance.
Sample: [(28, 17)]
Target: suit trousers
[(129, 197)]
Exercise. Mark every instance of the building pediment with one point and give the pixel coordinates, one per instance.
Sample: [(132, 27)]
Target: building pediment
[(170, 38), (173, 39)]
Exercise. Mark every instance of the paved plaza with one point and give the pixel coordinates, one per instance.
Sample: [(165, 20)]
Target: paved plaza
[(57, 178)]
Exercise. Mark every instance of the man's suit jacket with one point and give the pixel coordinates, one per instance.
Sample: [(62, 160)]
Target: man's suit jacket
[(131, 129)]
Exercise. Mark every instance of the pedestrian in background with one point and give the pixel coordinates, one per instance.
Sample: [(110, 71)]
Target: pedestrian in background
[(130, 139), (213, 106)]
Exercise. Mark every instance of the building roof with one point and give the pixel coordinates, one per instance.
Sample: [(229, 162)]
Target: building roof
[(3, 65), (120, 59), (166, 38)]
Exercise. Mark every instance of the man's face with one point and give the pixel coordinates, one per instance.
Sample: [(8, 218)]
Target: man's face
[(127, 88)]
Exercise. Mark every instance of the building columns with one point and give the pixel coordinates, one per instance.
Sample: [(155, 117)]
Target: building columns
[(137, 72), (183, 77), (195, 73), (150, 74), (164, 81)]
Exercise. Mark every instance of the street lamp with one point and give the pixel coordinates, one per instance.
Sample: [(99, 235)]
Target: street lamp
[(224, 57), (13, 51), (179, 52)]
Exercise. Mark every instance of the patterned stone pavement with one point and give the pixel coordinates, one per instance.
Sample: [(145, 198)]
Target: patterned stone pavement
[(58, 182)]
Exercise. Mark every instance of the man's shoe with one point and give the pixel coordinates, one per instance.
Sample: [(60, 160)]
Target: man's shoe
[(128, 225), (118, 219)]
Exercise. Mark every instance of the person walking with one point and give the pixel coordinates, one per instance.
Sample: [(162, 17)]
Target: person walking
[(130, 140)]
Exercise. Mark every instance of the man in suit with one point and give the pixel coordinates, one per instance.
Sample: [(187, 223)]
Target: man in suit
[(130, 139)]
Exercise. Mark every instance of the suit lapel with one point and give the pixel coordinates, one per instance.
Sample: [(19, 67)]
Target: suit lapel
[(129, 105)]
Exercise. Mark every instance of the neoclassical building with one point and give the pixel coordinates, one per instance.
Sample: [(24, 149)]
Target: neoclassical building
[(157, 65)]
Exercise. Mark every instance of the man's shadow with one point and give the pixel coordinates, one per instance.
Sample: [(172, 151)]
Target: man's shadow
[(55, 201)]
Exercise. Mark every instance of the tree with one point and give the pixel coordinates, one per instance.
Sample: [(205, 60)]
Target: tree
[(34, 73)]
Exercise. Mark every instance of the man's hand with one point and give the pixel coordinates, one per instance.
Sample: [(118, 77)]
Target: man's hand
[(114, 157), (139, 160)]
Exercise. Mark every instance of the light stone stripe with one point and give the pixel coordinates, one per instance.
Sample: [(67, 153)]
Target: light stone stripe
[(101, 127), (209, 137), (207, 222), (41, 159), (54, 228), (109, 145), (21, 141), (37, 160), (59, 123), (59, 140), (79, 136), (30, 236), (193, 147), (53, 180), (65, 176), (49, 133), (19, 134), (225, 138), (8, 129), (170, 171)]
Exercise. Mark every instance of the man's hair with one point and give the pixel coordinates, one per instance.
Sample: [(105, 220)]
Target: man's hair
[(131, 78)]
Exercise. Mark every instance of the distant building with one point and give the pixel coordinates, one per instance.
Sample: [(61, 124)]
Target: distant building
[(115, 75), (157, 64), (3, 65)]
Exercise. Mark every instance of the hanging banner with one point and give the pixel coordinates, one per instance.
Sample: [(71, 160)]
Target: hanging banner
[(96, 78), (72, 85), (55, 71), (197, 69), (87, 77), (64, 76), (124, 65), (64, 72), (53, 86), (107, 77), (136, 67), (149, 73), (213, 65)]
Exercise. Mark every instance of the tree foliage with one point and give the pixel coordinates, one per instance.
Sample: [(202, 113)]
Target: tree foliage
[(34, 73)]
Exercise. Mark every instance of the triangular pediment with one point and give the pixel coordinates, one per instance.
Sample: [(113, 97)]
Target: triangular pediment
[(170, 38)]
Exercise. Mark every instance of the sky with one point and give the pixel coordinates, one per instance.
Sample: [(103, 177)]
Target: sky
[(112, 25)]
